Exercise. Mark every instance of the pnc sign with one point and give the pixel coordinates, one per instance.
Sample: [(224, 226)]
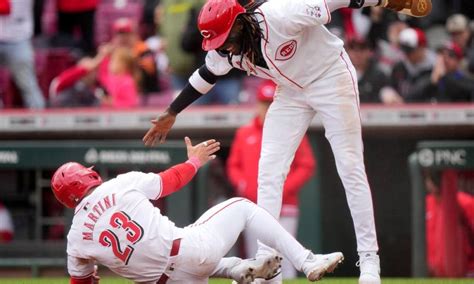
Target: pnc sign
[(442, 157)]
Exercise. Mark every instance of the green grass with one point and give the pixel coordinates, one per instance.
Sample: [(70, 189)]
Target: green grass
[(299, 281)]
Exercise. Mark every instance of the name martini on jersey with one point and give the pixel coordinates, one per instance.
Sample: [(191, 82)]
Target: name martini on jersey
[(97, 210)]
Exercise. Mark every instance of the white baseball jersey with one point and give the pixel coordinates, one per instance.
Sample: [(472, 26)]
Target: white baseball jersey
[(297, 47), (118, 226)]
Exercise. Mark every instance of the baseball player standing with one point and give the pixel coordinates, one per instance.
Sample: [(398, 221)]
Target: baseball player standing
[(286, 41), (116, 225), (242, 170)]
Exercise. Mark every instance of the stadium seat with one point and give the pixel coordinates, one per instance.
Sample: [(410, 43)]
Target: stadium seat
[(8, 91), (160, 99), (4, 84), (110, 10), (49, 64)]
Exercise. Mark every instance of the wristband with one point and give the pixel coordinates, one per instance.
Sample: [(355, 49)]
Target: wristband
[(195, 162)]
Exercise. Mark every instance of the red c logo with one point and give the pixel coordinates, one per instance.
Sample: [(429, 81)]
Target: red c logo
[(206, 34), (286, 50)]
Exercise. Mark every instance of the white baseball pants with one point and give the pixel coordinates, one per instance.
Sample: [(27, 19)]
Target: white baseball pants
[(335, 97), (290, 224), (205, 242)]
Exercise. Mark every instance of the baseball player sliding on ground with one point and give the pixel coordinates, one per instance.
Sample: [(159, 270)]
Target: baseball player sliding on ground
[(116, 225), (286, 41)]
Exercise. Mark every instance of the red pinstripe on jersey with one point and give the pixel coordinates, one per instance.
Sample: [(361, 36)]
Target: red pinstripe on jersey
[(268, 57)]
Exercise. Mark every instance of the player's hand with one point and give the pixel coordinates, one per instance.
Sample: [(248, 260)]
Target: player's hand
[(203, 151), (159, 130)]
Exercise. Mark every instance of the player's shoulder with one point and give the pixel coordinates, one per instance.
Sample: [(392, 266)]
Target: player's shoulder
[(272, 7), (275, 6), (275, 3), (277, 14), (132, 175)]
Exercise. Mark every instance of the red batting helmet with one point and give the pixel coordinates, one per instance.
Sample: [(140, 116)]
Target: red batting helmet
[(216, 20), (72, 181)]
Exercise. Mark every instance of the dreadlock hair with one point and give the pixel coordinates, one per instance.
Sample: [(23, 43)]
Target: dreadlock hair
[(251, 5), (252, 34)]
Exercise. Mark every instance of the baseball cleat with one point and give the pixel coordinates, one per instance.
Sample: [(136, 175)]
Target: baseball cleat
[(316, 265), (276, 279), (369, 264), (250, 269)]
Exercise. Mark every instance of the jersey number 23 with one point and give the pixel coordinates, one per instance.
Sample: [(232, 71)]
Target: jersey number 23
[(120, 220)]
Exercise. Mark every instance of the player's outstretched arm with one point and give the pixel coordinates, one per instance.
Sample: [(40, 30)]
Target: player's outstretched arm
[(200, 83), (203, 152), (161, 126), (178, 176)]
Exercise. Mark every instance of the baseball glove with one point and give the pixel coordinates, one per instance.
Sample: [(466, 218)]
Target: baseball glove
[(415, 8)]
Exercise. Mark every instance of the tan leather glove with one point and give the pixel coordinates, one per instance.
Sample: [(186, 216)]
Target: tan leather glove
[(415, 8)]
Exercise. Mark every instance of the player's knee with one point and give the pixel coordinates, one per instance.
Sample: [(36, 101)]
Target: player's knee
[(242, 201)]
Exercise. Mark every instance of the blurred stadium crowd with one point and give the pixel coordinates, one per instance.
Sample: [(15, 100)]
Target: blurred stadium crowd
[(131, 53)]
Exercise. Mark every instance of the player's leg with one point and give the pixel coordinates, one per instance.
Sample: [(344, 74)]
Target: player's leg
[(250, 241), (290, 223), (285, 124), (181, 277), (336, 99), (222, 224), (202, 243)]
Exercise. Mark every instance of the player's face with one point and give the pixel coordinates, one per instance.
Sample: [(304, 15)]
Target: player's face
[(233, 42)]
